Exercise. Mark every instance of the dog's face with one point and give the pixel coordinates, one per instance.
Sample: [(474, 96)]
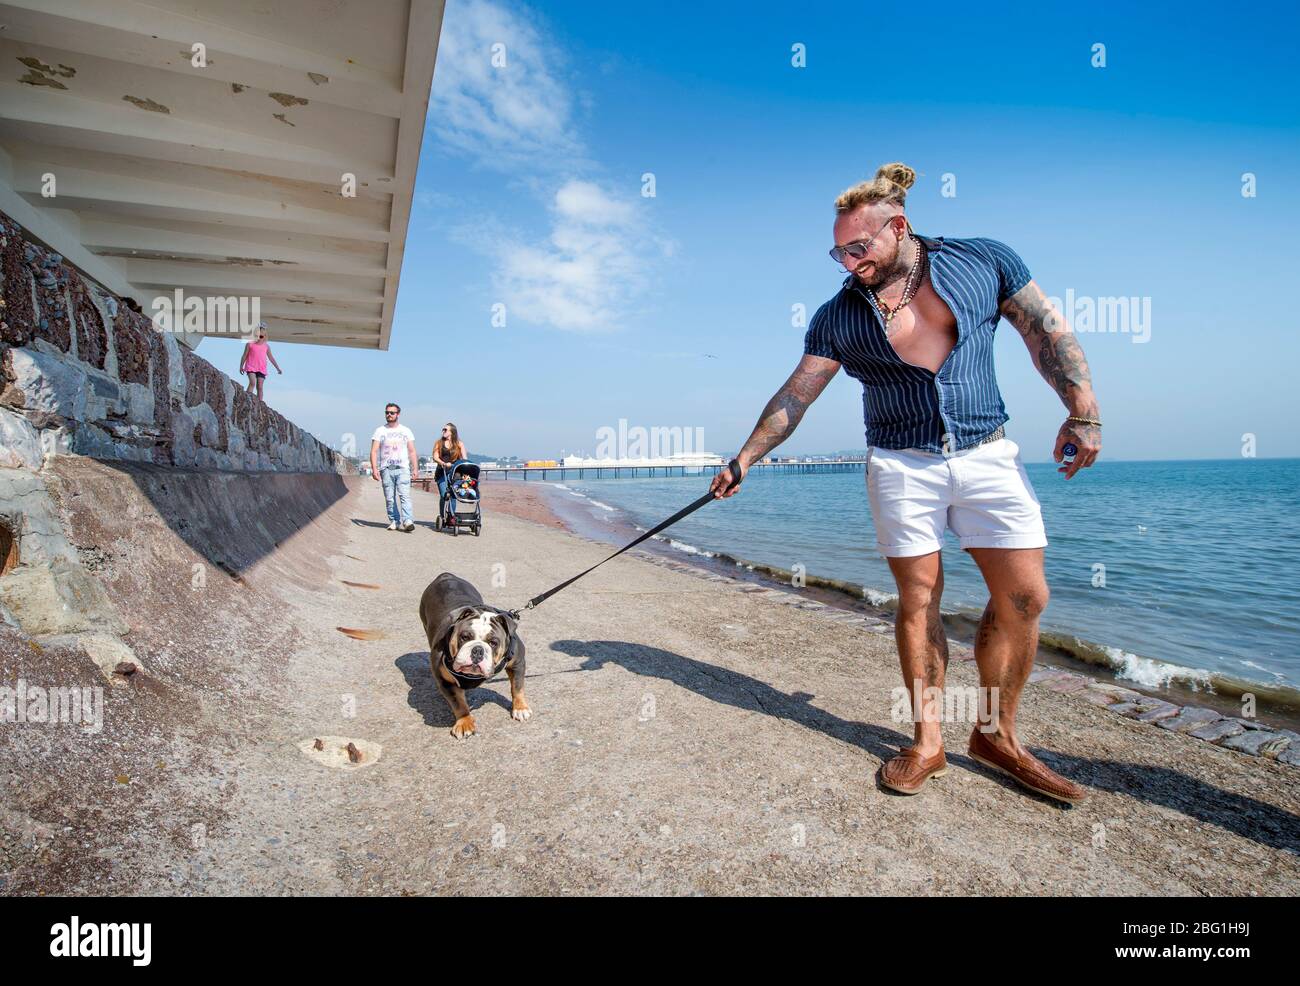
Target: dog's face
[(477, 641)]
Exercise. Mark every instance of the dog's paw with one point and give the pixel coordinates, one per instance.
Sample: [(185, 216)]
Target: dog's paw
[(520, 711), (464, 727)]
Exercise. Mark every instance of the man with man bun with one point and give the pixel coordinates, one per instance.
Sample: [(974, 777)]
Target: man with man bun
[(914, 322)]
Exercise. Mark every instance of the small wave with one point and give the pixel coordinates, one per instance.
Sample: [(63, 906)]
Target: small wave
[(690, 549), (886, 600), (1146, 671), (585, 496), (853, 590), (1259, 667), (682, 546), (1151, 673)]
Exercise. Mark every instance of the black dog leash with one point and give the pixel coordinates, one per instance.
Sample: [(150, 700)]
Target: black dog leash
[(733, 465)]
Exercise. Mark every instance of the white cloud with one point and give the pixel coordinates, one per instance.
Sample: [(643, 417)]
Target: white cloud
[(510, 116), (588, 271), (586, 202)]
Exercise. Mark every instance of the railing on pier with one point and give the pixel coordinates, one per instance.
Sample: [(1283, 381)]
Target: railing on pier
[(649, 472)]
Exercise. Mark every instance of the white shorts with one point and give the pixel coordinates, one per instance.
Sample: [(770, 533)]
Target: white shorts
[(982, 493)]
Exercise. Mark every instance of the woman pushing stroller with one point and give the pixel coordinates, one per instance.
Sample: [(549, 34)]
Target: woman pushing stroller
[(458, 494), (448, 452)]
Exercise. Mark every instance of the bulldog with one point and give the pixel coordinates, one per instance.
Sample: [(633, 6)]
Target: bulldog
[(470, 643)]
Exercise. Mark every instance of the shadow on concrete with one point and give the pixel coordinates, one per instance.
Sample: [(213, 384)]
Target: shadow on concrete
[(732, 688), (382, 525), (428, 524), (232, 519), (1244, 816), (423, 695), (1190, 796)]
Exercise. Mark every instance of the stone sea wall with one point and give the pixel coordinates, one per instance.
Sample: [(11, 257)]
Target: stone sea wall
[(81, 372)]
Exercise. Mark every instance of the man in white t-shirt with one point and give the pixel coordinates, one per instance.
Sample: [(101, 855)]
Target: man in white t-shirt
[(392, 462)]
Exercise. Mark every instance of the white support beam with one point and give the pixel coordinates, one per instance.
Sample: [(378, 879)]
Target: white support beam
[(288, 332), (327, 79), (425, 22), (214, 279), (23, 108), (137, 242), (78, 189), (227, 177), (321, 313), (213, 28)]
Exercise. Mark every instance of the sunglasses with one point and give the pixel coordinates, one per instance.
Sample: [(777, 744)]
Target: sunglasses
[(858, 248)]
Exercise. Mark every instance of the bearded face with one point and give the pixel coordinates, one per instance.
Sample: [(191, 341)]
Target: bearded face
[(880, 227)]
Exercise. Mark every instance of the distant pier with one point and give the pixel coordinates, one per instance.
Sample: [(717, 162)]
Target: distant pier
[(562, 473)]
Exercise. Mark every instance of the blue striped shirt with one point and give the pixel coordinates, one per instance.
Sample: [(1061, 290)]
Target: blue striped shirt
[(906, 406)]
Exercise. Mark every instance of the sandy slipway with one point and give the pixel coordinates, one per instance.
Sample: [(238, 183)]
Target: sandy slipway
[(690, 734)]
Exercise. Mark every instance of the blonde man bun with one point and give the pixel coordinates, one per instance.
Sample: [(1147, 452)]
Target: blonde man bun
[(898, 173), (889, 186)]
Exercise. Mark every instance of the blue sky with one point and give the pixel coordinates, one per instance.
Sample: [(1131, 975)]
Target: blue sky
[(676, 309)]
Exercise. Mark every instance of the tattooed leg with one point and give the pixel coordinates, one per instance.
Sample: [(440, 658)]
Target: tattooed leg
[(1007, 641), (922, 644)]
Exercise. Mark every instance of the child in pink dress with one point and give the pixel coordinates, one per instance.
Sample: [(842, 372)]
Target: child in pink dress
[(253, 362)]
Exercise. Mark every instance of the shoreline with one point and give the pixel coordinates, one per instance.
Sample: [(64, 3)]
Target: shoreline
[(1207, 715)]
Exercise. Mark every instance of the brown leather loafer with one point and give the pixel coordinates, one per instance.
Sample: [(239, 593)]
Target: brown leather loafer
[(1027, 771), (908, 772)]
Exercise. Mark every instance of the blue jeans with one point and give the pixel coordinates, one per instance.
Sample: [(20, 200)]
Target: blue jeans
[(397, 492)]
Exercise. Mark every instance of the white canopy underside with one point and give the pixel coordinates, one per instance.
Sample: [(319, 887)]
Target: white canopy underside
[(226, 179)]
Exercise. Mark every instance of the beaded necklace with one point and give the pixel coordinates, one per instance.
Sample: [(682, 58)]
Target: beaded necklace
[(909, 290)]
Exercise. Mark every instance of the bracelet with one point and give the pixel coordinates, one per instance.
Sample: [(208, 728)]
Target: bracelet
[(1084, 421)]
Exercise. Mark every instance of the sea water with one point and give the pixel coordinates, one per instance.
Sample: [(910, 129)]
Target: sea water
[(1165, 572)]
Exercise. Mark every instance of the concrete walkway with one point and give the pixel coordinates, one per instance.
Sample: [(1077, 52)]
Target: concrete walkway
[(687, 737)]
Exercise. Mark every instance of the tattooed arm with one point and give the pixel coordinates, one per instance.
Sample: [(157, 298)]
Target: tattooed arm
[(780, 418), (1059, 358)]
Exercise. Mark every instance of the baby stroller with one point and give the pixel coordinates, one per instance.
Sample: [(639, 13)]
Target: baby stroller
[(459, 508)]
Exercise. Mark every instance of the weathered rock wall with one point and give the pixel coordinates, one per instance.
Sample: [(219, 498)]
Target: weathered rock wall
[(81, 372)]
